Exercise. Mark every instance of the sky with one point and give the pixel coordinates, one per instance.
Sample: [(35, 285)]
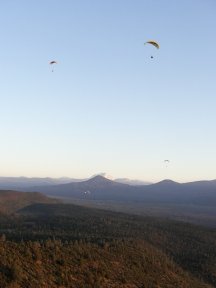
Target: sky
[(108, 106)]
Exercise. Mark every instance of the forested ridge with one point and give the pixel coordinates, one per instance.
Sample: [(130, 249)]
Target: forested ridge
[(59, 245)]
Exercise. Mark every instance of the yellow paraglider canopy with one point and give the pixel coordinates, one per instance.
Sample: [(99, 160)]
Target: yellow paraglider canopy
[(154, 43)]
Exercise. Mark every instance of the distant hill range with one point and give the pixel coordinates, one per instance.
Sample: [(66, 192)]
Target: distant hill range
[(167, 191), (12, 201), (18, 183)]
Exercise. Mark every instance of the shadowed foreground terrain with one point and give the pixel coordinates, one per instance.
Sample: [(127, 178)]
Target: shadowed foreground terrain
[(64, 245), (111, 264)]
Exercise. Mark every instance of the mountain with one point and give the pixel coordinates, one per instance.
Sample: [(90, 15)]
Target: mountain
[(101, 188), (95, 188), (123, 180), (166, 191), (11, 201)]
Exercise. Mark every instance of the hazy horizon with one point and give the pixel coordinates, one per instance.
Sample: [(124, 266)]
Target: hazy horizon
[(146, 181)]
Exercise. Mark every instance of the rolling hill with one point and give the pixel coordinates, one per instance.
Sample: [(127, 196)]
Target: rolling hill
[(11, 201)]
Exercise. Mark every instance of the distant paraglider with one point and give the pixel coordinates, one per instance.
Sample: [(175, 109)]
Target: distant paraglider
[(154, 43), (53, 63), (166, 161)]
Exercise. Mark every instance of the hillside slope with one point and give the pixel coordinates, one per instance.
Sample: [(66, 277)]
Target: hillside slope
[(11, 201), (116, 265), (191, 247)]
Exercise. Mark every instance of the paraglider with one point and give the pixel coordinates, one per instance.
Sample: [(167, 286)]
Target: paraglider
[(166, 161), (154, 43), (53, 63)]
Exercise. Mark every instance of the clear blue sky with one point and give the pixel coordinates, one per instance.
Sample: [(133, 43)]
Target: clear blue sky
[(108, 107)]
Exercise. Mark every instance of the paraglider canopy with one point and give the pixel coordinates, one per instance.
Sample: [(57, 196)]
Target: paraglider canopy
[(154, 43), (52, 63)]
